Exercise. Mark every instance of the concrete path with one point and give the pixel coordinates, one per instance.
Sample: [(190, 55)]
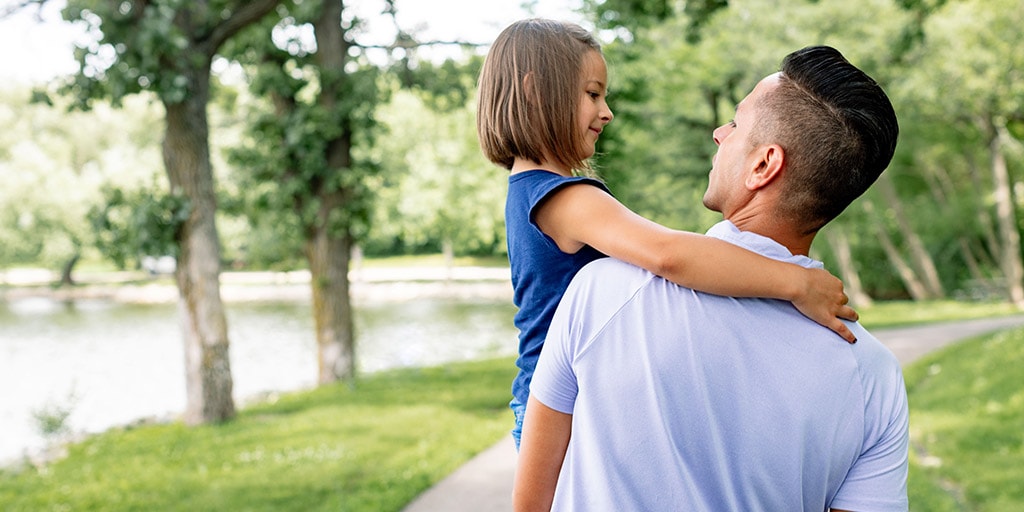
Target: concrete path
[(484, 484)]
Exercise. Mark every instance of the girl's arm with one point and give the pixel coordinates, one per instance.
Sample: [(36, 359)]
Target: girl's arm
[(584, 215)]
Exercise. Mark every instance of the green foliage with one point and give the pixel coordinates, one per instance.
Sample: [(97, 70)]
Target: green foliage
[(141, 222), (371, 448), (435, 186), (53, 164), (669, 92), (967, 410), (294, 126), (630, 14), (141, 46), (444, 87)]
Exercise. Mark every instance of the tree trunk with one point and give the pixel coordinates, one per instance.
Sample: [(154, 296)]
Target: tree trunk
[(972, 261), (329, 242), (186, 155), (1010, 259), (66, 278), (328, 255), (914, 286), (448, 252), (840, 245), (993, 246), (942, 187), (921, 260)]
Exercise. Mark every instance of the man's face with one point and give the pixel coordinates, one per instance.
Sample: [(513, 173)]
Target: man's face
[(735, 156)]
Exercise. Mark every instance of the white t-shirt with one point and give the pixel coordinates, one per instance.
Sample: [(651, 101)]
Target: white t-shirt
[(688, 401)]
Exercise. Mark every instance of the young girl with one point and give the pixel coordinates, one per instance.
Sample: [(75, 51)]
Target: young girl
[(541, 109)]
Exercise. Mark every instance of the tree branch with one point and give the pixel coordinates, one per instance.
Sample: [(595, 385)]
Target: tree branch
[(245, 15), (409, 44)]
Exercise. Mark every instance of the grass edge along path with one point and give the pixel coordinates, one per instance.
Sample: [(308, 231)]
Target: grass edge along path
[(371, 447)]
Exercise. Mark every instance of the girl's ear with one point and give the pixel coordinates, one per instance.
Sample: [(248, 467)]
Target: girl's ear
[(770, 160)]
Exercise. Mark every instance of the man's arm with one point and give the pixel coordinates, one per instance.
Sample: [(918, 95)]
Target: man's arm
[(542, 450)]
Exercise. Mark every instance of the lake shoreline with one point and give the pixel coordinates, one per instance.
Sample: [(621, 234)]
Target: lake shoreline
[(368, 285), (87, 348)]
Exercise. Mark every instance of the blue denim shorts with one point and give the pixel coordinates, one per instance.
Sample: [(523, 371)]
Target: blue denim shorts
[(519, 410)]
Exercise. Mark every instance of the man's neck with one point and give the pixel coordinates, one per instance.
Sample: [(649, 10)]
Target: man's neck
[(778, 230)]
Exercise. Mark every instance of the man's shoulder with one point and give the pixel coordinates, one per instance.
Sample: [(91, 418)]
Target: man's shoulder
[(879, 369), (872, 351), (604, 266), (604, 284), (612, 275)]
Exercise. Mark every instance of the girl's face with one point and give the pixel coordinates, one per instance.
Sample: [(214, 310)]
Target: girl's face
[(593, 113)]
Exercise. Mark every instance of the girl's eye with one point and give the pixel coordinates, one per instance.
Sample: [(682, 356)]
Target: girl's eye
[(594, 95)]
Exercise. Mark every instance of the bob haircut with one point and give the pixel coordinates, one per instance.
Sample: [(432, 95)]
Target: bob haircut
[(529, 94)]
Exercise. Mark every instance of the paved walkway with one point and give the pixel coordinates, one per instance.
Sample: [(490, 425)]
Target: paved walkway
[(484, 484)]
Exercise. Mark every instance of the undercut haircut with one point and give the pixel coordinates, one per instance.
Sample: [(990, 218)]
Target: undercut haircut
[(837, 129), (529, 94)]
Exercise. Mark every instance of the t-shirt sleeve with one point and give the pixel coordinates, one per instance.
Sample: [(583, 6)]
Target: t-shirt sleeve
[(554, 380), (592, 299), (878, 478)]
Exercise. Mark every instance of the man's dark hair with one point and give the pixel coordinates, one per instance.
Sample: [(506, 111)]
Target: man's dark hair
[(837, 129)]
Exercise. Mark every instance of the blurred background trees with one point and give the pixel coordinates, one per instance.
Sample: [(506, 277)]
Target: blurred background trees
[(311, 149)]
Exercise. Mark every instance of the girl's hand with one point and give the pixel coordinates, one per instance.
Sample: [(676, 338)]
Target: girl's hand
[(824, 302)]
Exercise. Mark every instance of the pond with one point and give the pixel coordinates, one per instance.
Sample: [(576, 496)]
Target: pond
[(111, 363)]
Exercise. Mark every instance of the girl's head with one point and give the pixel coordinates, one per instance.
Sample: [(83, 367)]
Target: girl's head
[(542, 95)]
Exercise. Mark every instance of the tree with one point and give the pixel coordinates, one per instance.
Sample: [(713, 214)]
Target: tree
[(167, 47), (313, 152), (669, 88), (436, 191), (322, 110), (966, 84), (52, 171)]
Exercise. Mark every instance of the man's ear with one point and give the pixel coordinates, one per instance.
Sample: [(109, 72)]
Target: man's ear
[(767, 168)]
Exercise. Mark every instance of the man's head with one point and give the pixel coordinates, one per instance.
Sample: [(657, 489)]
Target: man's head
[(804, 144)]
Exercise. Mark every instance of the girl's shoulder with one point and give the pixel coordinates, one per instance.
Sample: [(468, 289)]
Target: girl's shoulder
[(547, 181)]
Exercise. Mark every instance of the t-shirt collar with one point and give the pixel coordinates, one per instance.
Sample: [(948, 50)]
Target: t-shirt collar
[(726, 230)]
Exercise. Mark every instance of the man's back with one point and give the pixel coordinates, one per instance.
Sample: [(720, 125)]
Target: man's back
[(689, 401)]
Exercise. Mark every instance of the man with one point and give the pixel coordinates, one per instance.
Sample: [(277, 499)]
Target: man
[(679, 400)]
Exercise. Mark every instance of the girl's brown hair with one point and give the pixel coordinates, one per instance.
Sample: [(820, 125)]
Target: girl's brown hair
[(529, 93)]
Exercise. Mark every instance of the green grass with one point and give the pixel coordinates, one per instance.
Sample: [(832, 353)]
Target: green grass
[(369, 448), (967, 426), (901, 313)]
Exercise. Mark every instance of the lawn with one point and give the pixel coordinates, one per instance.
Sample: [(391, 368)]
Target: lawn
[(372, 447), (967, 426)]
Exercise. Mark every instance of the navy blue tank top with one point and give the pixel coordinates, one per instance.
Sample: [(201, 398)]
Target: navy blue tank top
[(540, 270)]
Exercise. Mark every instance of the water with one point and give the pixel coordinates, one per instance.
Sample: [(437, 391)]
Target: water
[(111, 363)]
